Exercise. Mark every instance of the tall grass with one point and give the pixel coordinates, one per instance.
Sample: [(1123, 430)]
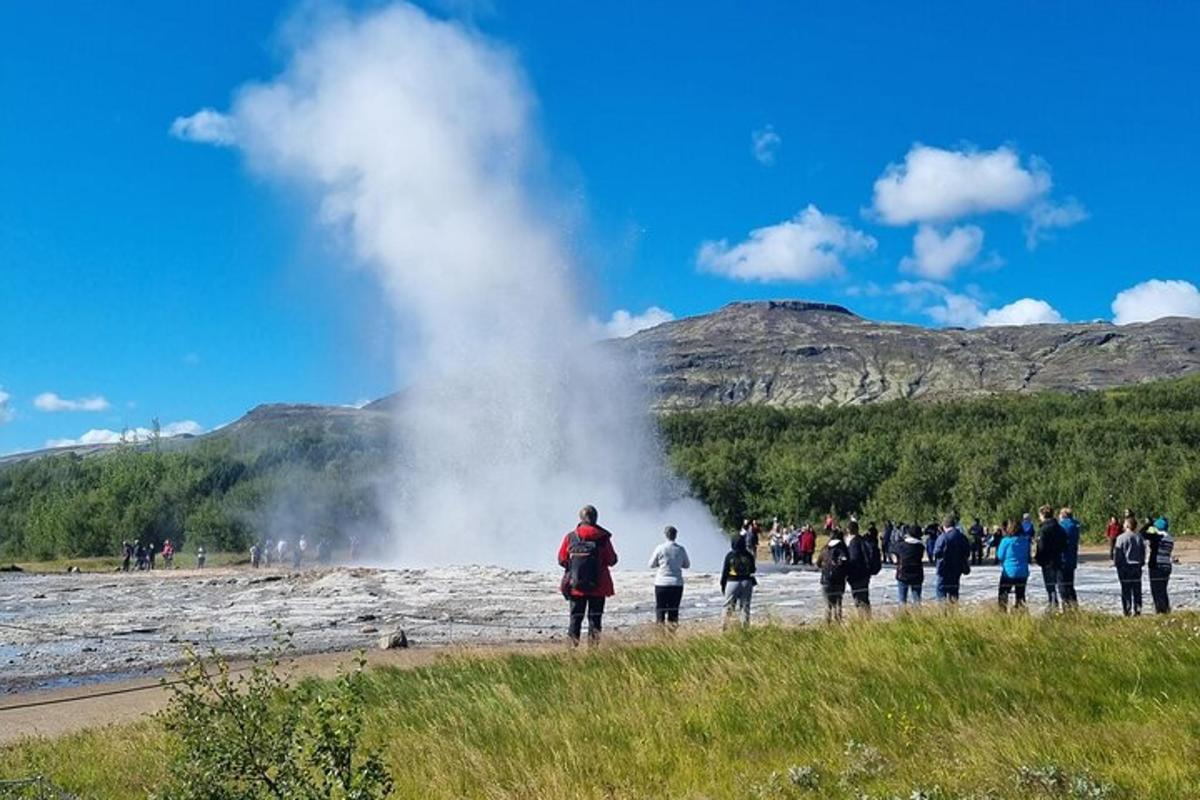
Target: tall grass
[(969, 705)]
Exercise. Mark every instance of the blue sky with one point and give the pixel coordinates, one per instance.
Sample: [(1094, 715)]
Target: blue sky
[(167, 280)]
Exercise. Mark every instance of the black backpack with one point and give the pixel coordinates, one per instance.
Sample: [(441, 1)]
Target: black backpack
[(583, 563), (835, 565), (741, 566)]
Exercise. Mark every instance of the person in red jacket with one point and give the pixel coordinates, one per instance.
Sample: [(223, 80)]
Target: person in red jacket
[(586, 556)]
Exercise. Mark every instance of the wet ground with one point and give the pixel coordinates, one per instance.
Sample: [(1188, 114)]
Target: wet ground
[(66, 630)]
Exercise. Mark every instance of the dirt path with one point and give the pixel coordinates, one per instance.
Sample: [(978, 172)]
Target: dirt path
[(62, 711)]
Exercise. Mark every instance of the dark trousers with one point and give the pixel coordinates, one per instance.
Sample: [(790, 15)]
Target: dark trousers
[(593, 607), (1131, 590), (861, 592), (1158, 590), (1010, 585), (1050, 575), (1066, 587), (666, 603)]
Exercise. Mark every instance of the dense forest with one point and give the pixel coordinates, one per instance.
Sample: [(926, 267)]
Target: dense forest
[(221, 492), (1137, 447)]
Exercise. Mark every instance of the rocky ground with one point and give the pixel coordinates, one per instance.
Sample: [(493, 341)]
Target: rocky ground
[(66, 630)]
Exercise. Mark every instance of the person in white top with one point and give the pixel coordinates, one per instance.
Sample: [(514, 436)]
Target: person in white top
[(670, 559)]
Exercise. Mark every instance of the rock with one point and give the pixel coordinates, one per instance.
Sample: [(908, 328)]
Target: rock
[(10, 568), (793, 353), (396, 640), (39, 597), (366, 618), (368, 629)]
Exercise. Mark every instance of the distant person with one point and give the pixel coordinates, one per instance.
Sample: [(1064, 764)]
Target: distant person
[(752, 540), (168, 554), (301, 551), (1051, 545), (355, 547), (738, 582), (1129, 555), (1027, 527), (978, 534), (863, 561), (952, 555), (126, 555), (910, 569), (776, 543), (1013, 555), (281, 551), (994, 537), (808, 545), (142, 559), (201, 557), (150, 555), (670, 559), (1158, 562), (932, 531), (255, 555), (885, 543), (834, 565), (1111, 532), (324, 550), (587, 556), (1070, 558)]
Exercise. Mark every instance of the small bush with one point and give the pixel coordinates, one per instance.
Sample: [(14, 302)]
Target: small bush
[(257, 735)]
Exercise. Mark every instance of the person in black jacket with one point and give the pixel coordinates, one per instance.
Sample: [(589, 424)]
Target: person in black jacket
[(1051, 546), (910, 568), (885, 549), (738, 581), (833, 565), (977, 537), (861, 556)]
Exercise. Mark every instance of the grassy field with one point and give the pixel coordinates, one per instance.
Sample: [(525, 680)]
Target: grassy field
[(972, 705)]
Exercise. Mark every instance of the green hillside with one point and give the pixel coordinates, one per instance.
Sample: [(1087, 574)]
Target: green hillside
[(318, 469)]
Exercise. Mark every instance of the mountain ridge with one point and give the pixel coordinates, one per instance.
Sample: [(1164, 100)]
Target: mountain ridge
[(794, 352)]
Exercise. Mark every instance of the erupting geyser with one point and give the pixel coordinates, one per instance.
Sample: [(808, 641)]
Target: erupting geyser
[(414, 134)]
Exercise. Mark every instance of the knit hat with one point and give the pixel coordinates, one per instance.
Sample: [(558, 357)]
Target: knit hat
[(1161, 524)]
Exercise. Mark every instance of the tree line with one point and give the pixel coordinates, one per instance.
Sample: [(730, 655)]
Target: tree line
[(995, 457), (1136, 447), (220, 493)]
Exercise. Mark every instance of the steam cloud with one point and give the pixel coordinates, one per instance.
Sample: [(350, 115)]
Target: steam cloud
[(415, 135)]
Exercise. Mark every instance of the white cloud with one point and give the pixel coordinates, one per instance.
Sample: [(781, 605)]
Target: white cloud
[(1155, 299), (1046, 216), (6, 412), (1026, 311), (965, 311), (207, 126), (936, 185), (764, 144), (622, 323), (105, 436), (936, 256), (51, 402), (807, 247)]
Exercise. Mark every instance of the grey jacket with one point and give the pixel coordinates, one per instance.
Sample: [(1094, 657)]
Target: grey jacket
[(1130, 551)]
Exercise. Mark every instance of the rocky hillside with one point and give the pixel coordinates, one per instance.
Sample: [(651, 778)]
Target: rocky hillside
[(786, 353)]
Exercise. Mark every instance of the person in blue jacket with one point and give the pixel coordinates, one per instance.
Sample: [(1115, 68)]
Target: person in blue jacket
[(1070, 559), (1013, 555)]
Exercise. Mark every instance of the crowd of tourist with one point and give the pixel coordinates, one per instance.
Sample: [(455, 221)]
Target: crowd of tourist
[(850, 557)]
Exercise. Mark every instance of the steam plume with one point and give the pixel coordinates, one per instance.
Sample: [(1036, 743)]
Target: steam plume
[(415, 135)]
